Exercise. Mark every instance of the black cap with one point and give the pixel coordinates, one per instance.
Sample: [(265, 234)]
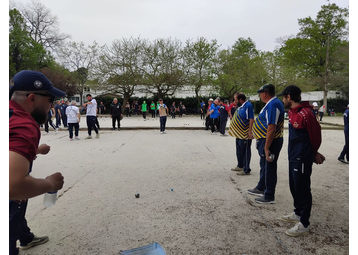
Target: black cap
[(27, 80), (292, 90), (269, 88)]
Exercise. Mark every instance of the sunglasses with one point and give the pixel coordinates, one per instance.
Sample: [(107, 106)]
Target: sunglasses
[(51, 97)]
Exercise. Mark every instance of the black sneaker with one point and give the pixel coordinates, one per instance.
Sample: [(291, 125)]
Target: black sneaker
[(243, 173), (342, 160), (36, 241), (256, 192), (263, 200)]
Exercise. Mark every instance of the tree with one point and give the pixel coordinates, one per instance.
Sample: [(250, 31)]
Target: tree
[(163, 67), (79, 59), (42, 26), (61, 79), (311, 50), (240, 68), (199, 56), (24, 52), (118, 67)]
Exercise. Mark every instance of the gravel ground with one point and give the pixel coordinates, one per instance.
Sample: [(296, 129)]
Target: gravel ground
[(190, 202)]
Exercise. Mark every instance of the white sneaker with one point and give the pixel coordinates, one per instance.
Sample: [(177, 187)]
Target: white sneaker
[(56, 130), (88, 137), (161, 132), (46, 133), (76, 137), (292, 217), (71, 139), (298, 230), (97, 135)]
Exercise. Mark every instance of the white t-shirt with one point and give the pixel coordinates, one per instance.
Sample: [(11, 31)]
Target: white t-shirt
[(92, 108), (71, 112)]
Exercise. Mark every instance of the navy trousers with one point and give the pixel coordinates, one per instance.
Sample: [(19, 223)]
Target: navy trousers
[(163, 120), (300, 186), (70, 129), (18, 229), (91, 123), (268, 170), (222, 126), (243, 154), (345, 151)]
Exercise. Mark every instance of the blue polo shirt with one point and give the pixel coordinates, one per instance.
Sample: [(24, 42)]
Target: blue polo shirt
[(215, 113), (272, 113), (241, 120)]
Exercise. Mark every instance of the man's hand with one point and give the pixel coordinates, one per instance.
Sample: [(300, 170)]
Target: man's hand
[(251, 136), (56, 180), (319, 158), (267, 154), (43, 149)]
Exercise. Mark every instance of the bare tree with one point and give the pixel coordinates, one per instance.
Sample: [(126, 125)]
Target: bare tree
[(43, 26), (80, 60), (118, 67), (163, 67)]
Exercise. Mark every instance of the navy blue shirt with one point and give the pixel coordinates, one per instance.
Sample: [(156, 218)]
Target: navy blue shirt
[(346, 119)]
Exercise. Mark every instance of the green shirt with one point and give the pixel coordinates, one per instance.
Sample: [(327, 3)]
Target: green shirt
[(144, 107), (152, 106)]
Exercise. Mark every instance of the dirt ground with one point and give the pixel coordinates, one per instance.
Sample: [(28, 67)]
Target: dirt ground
[(190, 202)]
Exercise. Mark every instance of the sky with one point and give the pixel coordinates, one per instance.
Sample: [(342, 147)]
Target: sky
[(104, 21)]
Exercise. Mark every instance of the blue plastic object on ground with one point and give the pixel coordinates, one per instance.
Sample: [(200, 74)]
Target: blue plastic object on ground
[(151, 249)]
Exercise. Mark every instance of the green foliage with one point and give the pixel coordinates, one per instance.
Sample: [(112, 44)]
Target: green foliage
[(316, 52), (339, 105), (24, 52)]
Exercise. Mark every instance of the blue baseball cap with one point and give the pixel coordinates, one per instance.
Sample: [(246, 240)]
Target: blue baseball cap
[(27, 80)]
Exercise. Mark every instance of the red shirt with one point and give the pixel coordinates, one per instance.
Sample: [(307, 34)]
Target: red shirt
[(304, 133), (24, 132)]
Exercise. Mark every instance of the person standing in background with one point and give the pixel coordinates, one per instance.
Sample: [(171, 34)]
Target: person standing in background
[(144, 110), (152, 109), (91, 116), (163, 112), (73, 118), (116, 114), (345, 151), (321, 112)]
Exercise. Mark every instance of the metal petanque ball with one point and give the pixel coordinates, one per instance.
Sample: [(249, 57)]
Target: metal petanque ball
[(137, 195)]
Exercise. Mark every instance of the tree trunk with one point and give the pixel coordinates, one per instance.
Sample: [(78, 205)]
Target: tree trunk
[(326, 77)]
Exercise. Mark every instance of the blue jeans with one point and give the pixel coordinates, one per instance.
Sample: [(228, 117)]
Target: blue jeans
[(268, 170), (18, 229), (91, 123), (163, 120), (243, 154)]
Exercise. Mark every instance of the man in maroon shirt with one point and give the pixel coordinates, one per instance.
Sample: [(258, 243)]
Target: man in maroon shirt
[(304, 140), (31, 96)]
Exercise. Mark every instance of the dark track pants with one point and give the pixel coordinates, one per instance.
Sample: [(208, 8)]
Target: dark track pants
[(163, 121), (268, 170), (222, 126), (18, 229), (114, 119), (243, 154), (70, 129), (300, 186), (345, 151), (91, 123)]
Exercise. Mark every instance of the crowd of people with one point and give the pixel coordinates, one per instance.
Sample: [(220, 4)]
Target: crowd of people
[(31, 105)]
